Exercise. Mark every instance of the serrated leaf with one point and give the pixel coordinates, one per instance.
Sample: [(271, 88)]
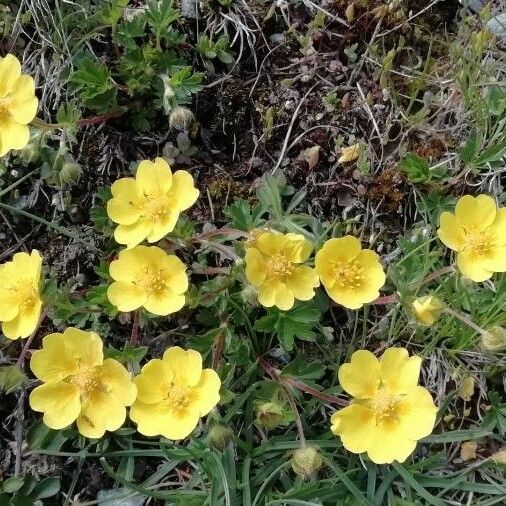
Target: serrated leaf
[(287, 325), (416, 168), (11, 378)]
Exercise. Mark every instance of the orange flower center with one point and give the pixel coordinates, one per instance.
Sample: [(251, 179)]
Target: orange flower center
[(155, 207), (86, 380), (152, 280), (479, 242), (279, 266), (349, 274), (178, 397), (385, 405)]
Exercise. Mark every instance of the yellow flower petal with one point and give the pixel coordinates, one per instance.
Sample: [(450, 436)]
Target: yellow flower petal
[(498, 228), (390, 444), (149, 418), (10, 70), (450, 232), (13, 136), (284, 298), (475, 213), (180, 425), (126, 296), (58, 401), (398, 371), (186, 365), (356, 426), (154, 177), (164, 302), (118, 381), (417, 413), (122, 211), (206, 394), (297, 247), (495, 260), (302, 282), (134, 234), (267, 293), (24, 102), (163, 226), (360, 377), (25, 322), (183, 193), (151, 382), (473, 268), (9, 305), (101, 411), (55, 361), (271, 243), (84, 346), (256, 268)]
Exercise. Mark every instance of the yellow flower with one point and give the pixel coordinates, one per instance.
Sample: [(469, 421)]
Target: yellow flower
[(273, 266), (20, 302), (351, 275), (477, 232), (426, 309), (349, 154), (78, 384), (148, 206), (147, 276), (18, 105), (389, 412), (174, 393)]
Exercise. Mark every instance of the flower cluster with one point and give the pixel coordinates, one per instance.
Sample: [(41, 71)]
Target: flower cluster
[(168, 398), (18, 105), (352, 276), (389, 412)]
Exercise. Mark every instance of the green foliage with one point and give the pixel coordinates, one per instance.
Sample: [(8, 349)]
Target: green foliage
[(219, 49), (476, 155), (11, 378), (287, 325)]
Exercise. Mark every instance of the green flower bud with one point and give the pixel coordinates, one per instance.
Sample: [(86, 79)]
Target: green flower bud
[(306, 461), (70, 173), (494, 339), (219, 437), (269, 415)]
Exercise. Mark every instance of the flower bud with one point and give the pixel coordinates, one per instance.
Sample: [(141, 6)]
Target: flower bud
[(500, 457), (427, 309), (180, 118), (494, 339), (306, 461), (219, 437), (269, 415), (250, 295), (70, 173)]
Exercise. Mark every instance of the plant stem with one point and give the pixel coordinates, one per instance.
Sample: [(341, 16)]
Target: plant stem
[(34, 217), (464, 319), (134, 336)]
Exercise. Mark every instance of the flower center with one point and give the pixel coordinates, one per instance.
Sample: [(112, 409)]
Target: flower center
[(27, 295), (349, 274), (155, 207), (152, 280), (278, 266), (479, 242), (5, 105), (178, 397), (385, 405), (86, 380)]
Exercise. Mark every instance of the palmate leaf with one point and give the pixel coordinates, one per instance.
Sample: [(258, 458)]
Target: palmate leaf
[(161, 15), (287, 325)]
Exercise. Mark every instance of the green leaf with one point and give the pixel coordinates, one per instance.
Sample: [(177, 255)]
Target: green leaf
[(46, 488), (12, 484), (129, 354), (472, 145), (160, 15), (127, 31), (416, 168), (243, 216), (93, 82), (287, 325)]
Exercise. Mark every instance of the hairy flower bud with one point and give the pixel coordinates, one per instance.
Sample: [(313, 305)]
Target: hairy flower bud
[(269, 415), (306, 461), (494, 339), (180, 118), (219, 437)]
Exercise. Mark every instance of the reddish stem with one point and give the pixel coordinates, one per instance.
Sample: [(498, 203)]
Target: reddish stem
[(219, 342), (299, 385), (134, 336), (102, 118)]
